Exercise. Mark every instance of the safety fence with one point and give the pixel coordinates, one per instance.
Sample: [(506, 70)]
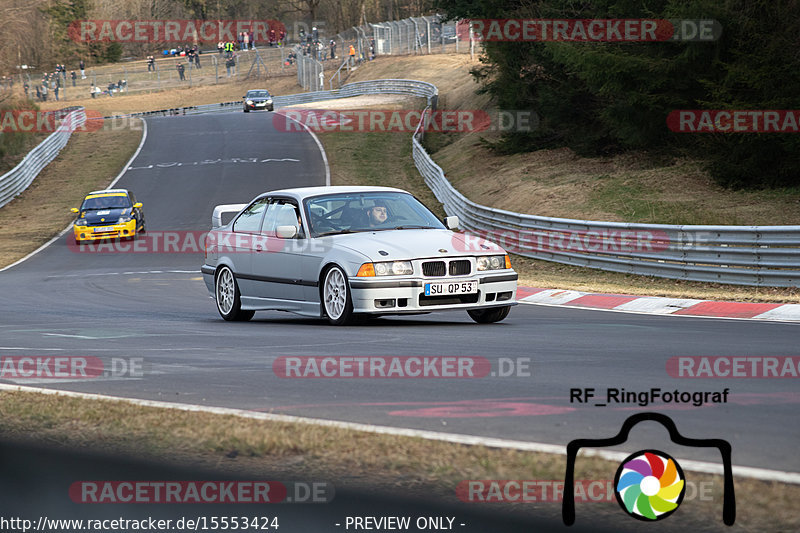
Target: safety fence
[(20, 177)]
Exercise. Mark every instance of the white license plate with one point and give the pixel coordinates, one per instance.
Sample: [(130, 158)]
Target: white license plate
[(103, 229), (452, 287)]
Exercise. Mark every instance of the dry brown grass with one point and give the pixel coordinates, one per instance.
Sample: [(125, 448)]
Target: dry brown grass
[(42, 210), (348, 458)]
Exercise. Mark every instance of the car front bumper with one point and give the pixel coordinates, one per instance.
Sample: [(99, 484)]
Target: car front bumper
[(393, 296), (257, 106), (112, 231)]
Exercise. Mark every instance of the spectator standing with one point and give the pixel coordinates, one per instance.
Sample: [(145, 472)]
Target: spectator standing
[(44, 90), (151, 63), (252, 40), (230, 64), (241, 40), (38, 93), (352, 55), (333, 49), (26, 88), (83, 69), (272, 37), (197, 57), (245, 40), (220, 47), (74, 77), (58, 86), (181, 68)]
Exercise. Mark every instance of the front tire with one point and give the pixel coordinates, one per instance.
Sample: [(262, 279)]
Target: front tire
[(336, 298), (246, 110), (226, 293), (489, 316)]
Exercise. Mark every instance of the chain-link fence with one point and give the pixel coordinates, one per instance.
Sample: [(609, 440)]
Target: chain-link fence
[(415, 35), (164, 72), (307, 59)]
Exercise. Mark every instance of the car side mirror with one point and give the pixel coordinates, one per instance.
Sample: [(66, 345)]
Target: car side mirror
[(451, 222), (286, 232), (75, 210), (137, 205)]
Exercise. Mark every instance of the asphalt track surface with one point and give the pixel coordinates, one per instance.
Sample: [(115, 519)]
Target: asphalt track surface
[(155, 306)]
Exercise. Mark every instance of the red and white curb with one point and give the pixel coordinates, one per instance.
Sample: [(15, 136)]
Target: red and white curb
[(659, 305)]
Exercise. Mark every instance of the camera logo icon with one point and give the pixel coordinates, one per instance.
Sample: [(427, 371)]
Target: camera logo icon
[(649, 485)]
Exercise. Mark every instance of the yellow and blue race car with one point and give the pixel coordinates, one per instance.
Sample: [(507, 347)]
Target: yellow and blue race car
[(108, 214)]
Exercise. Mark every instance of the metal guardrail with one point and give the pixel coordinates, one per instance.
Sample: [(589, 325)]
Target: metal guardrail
[(408, 87), (16, 180), (739, 255)]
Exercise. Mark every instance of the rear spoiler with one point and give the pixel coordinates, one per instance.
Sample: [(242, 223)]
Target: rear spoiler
[(216, 217)]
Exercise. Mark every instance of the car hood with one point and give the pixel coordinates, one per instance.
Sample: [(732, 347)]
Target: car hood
[(414, 243), (259, 98), (104, 216)]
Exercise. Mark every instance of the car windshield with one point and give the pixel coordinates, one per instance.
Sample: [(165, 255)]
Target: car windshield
[(257, 94), (367, 211), (106, 202)]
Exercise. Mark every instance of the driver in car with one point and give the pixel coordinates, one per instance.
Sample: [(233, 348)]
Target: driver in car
[(377, 215)]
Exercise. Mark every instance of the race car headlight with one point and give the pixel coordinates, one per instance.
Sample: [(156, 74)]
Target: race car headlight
[(394, 268), (492, 262), (124, 219), (269, 101), (249, 102), (81, 222)]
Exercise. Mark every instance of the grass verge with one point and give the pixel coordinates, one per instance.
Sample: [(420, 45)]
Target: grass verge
[(415, 466), (89, 162)]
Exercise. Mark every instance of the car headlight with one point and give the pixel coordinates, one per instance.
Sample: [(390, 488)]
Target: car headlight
[(81, 222), (269, 101), (493, 262), (124, 219), (249, 102), (387, 268)]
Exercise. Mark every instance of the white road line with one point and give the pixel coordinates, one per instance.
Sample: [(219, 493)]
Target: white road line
[(695, 466), (321, 151), (69, 227)]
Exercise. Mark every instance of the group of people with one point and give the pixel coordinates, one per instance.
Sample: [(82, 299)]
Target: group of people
[(310, 45), (52, 83), (119, 86)]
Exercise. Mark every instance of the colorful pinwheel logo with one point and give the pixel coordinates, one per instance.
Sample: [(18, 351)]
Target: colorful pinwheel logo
[(649, 485)]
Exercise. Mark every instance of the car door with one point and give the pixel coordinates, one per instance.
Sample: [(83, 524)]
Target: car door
[(277, 262), (241, 245)]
